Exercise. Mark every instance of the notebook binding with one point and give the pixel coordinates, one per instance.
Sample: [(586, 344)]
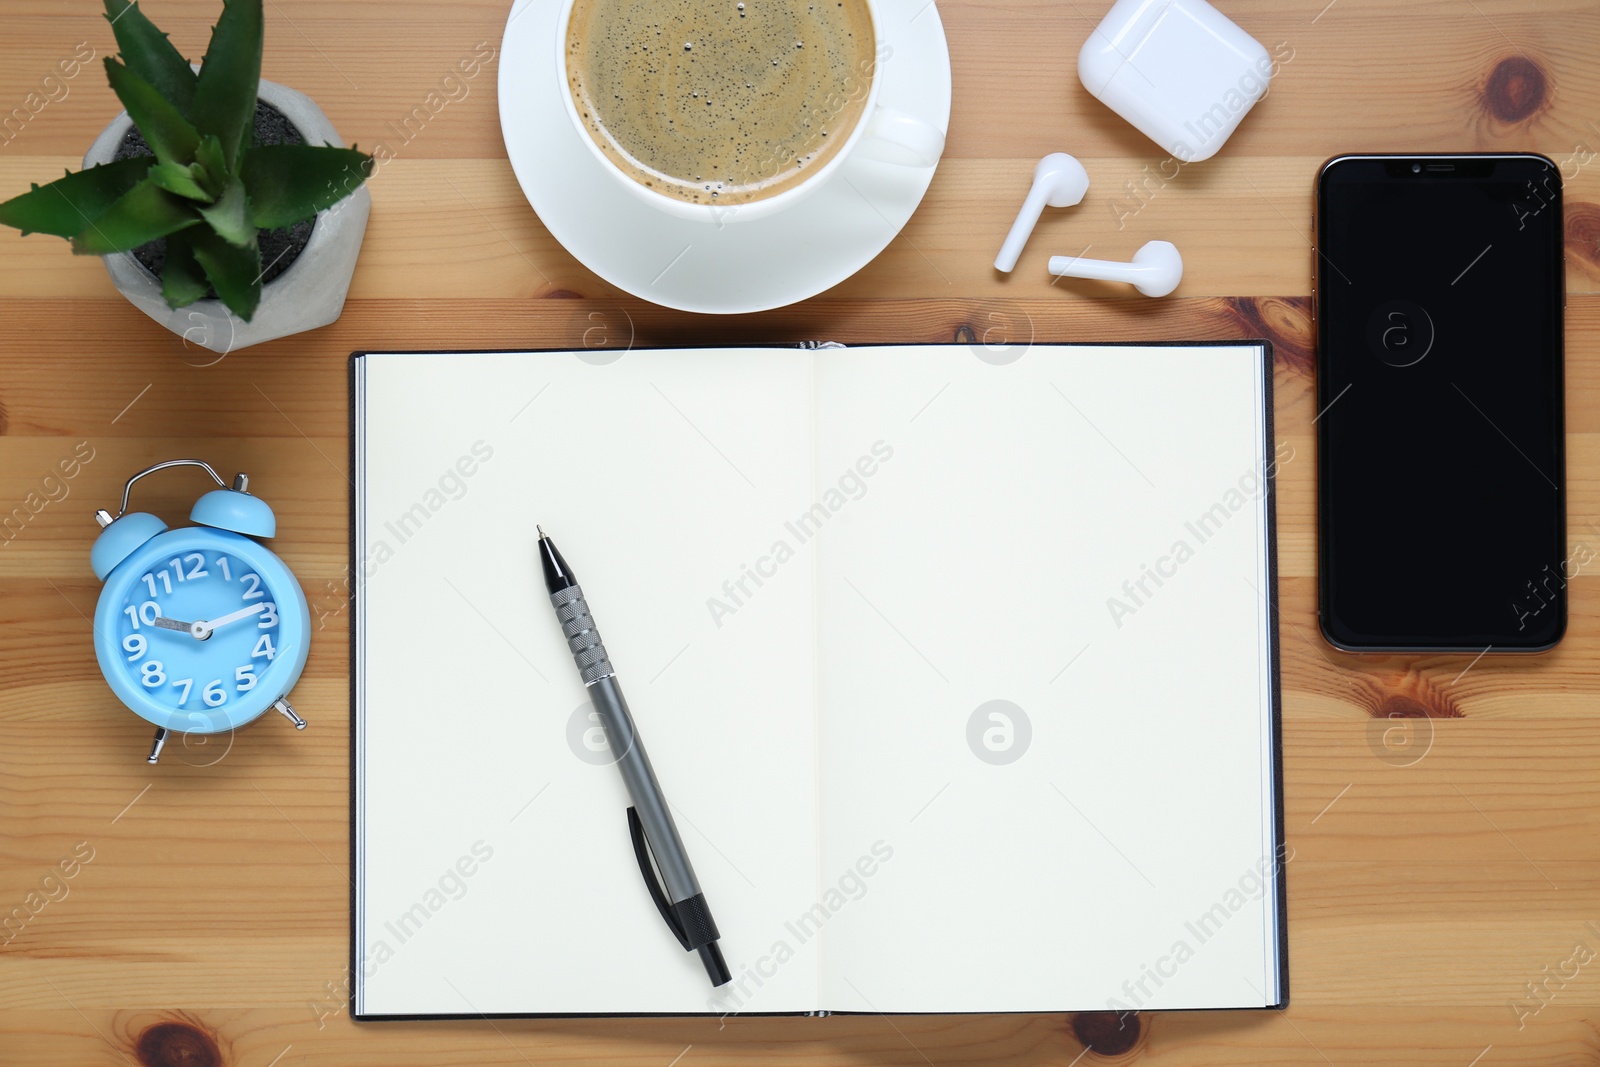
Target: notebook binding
[(583, 638)]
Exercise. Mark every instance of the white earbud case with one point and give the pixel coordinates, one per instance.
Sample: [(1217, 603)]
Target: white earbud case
[(1179, 70)]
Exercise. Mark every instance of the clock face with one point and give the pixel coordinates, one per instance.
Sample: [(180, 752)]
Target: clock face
[(198, 633)]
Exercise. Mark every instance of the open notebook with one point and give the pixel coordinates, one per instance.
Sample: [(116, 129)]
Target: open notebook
[(960, 678)]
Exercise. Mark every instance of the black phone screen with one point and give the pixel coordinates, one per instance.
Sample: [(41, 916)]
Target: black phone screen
[(1441, 500)]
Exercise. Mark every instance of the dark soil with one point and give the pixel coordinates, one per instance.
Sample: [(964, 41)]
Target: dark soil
[(279, 248)]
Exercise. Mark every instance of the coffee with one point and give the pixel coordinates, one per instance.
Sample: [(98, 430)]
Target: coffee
[(719, 101)]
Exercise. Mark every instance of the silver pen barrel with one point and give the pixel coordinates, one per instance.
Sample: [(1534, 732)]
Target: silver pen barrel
[(594, 666)]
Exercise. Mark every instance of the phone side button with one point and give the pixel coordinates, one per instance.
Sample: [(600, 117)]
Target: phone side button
[(1313, 285)]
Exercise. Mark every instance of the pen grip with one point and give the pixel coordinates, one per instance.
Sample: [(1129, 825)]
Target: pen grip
[(572, 611)]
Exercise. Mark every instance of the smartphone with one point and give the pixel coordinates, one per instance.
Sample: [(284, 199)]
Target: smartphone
[(1441, 493)]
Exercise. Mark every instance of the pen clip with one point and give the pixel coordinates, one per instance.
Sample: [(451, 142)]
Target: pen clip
[(641, 851)]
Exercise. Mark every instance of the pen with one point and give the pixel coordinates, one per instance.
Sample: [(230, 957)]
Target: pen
[(677, 896)]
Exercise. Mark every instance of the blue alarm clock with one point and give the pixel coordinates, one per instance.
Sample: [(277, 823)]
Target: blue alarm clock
[(199, 629)]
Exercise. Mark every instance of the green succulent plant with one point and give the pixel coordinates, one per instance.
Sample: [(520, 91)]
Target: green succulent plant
[(209, 188)]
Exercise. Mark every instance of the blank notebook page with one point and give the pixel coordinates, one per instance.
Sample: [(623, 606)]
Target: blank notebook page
[(981, 565), (656, 475)]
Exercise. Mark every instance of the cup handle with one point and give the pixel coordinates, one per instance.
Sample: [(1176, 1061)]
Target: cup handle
[(892, 136)]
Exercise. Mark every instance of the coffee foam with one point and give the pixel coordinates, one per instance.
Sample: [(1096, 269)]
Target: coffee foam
[(718, 101)]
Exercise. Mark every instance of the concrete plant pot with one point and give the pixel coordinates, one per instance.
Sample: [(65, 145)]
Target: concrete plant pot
[(309, 294)]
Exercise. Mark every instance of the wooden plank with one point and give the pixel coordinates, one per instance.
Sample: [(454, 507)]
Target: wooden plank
[(1243, 227), (1378, 1035)]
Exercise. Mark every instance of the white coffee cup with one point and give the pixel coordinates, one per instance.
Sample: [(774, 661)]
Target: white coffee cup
[(882, 133)]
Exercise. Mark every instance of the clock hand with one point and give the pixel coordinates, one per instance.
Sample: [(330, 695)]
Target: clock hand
[(174, 624), (203, 628)]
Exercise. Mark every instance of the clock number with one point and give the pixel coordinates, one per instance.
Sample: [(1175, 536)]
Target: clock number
[(150, 581), (187, 684), (134, 644), (222, 565), (265, 648), (244, 678), (197, 569), (213, 694), (148, 613), (152, 674), (255, 585), (269, 616)]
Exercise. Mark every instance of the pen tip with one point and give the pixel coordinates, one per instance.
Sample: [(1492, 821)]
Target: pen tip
[(536, 526)]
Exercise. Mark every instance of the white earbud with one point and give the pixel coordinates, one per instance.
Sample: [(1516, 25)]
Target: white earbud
[(1058, 181), (1156, 269)]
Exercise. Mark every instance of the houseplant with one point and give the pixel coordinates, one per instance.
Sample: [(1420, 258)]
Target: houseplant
[(199, 204)]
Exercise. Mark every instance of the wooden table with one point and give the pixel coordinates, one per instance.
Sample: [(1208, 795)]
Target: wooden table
[(1430, 884)]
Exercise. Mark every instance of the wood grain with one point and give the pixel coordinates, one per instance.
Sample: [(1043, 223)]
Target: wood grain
[(1443, 861)]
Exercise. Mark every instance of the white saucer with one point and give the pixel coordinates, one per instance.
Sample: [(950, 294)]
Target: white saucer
[(750, 265)]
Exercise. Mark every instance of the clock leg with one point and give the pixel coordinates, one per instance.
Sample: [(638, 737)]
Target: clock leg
[(155, 748), (282, 706)]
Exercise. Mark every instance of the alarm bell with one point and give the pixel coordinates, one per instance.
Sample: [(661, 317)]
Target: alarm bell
[(228, 508)]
